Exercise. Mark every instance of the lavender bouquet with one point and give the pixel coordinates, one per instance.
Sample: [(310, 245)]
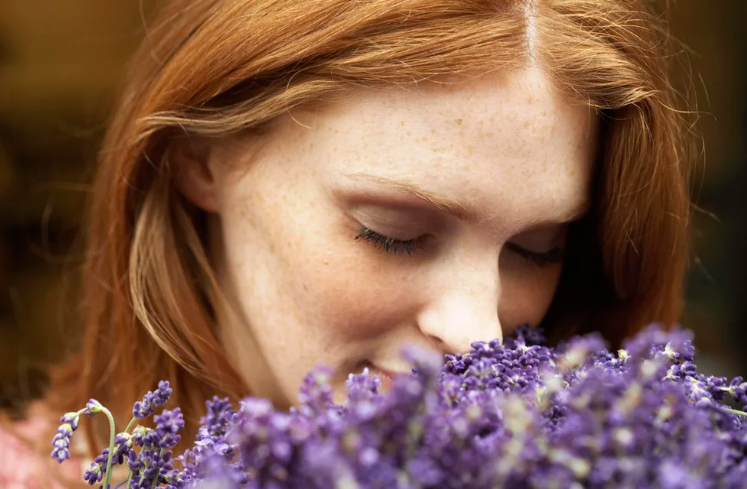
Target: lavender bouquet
[(511, 415)]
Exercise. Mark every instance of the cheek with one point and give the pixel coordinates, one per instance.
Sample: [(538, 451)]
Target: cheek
[(298, 259), (349, 291), (526, 295)]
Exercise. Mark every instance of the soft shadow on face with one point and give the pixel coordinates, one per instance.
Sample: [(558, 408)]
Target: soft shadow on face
[(474, 177)]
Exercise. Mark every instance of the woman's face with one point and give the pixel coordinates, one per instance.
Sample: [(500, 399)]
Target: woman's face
[(476, 178)]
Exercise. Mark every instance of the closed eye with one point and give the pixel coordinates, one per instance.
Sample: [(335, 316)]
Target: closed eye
[(552, 257), (389, 244), (398, 247)]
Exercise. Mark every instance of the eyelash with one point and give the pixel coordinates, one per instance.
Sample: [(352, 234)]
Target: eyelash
[(398, 247), (391, 245)]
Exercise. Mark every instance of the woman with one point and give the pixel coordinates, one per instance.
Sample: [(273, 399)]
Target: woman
[(288, 183)]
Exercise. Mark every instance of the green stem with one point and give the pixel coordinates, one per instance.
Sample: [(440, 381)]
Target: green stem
[(734, 411), (110, 458), (132, 422), (129, 477)]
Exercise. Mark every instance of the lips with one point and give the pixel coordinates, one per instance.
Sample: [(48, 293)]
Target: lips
[(385, 376)]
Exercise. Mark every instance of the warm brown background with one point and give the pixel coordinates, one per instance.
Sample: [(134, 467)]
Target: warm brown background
[(60, 61)]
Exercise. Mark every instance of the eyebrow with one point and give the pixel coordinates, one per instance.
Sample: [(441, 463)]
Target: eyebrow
[(464, 211)]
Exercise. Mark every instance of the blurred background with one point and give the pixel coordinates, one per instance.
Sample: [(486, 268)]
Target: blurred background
[(60, 64)]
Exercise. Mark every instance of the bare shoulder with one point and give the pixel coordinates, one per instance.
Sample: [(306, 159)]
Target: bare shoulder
[(25, 448)]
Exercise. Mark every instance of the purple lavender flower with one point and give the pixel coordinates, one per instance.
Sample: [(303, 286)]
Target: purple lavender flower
[(97, 470), (517, 414), (212, 459), (93, 474), (513, 415), (168, 424), (151, 400), (61, 440), (153, 464), (531, 336), (315, 392), (124, 443), (93, 407), (220, 416)]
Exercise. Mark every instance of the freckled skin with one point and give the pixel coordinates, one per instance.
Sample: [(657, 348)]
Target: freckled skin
[(308, 293)]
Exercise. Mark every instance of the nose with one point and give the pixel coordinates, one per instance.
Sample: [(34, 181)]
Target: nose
[(464, 311)]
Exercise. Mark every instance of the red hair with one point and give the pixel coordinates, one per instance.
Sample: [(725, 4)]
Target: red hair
[(150, 301)]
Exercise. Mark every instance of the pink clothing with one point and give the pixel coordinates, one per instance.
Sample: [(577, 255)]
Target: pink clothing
[(25, 448)]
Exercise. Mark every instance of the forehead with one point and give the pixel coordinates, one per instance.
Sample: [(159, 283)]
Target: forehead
[(505, 142)]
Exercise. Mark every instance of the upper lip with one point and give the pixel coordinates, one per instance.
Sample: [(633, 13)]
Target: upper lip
[(387, 372)]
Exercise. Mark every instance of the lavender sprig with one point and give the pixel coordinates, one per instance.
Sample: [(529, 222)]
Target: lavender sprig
[(121, 445), (151, 400)]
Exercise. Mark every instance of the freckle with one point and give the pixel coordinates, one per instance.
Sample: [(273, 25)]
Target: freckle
[(401, 123), (326, 262), (305, 288), (459, 121), (409, 133), (526, 124), (433, 131), (470, 150)]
